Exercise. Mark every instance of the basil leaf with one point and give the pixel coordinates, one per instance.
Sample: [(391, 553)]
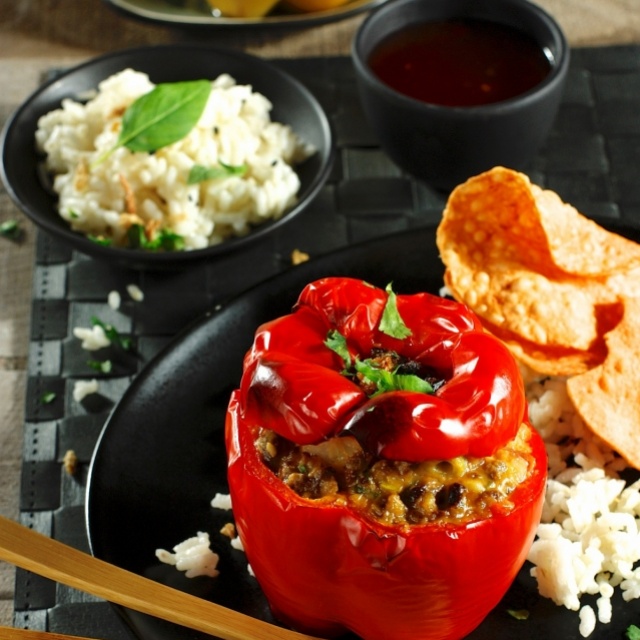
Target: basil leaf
[(391, 322), (161, 117), (164, 115), (390, 381), (200, 173), (338, 344)]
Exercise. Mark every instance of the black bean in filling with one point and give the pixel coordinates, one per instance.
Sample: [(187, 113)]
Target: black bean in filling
[(397, 492)]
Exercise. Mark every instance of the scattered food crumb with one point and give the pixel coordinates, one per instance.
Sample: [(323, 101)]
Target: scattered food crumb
[(298, 257), (221, 501), (229, 530), (83, 388), (92, 339), (114, 300), (250, 570), (135, 292), (193, 556), (70, 462)]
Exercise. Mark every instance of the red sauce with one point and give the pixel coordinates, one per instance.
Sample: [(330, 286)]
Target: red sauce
[(460, 63)]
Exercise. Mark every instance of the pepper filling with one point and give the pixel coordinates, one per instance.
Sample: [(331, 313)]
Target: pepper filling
[(395, 492)]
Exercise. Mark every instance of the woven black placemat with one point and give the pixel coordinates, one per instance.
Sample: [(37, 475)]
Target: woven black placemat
[(591, 159)]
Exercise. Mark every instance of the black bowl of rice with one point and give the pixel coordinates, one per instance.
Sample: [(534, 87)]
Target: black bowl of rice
[(165, 155)]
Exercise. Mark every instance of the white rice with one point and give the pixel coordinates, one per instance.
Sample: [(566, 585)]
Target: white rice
[(93, 338), (135, 293), (193, 556), (84, 388), (588, 541), (235, 128), (114, 300), (221, 501)]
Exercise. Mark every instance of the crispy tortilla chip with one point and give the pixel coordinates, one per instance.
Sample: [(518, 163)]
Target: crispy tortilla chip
[(547, 312), (550, 361), (578, 245), (608, 396), (492, 218), (534, 268), (500, 216)]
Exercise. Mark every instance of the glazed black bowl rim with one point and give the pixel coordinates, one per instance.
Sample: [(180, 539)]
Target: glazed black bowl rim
[(140, 259), (559, 65)]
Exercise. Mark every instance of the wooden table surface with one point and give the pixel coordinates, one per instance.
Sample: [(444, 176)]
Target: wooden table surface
[(36, 35)]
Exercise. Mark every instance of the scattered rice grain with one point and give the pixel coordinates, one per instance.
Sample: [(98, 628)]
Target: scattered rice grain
[(135, 293), (84, 388), (193, 556)]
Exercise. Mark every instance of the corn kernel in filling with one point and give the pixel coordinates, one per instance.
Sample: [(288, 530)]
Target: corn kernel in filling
[(393, 492)]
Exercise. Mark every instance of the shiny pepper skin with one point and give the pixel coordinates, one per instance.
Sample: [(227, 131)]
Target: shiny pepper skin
[(294, 382), (326, 568)]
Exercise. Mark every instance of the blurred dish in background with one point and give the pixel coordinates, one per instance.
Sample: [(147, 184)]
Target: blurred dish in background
[(260, 8), (270, 13)]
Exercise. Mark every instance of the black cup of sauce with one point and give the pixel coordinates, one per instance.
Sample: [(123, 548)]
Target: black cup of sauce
[(455, 87)]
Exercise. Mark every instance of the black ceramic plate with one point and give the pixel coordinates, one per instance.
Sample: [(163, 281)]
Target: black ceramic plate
[(161, 458), (292, 103), (196, 13)]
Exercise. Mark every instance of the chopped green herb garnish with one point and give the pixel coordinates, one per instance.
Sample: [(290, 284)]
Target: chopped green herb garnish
[(105, 242), (164, 240), (112, 334), (200, 173), (136, 236), (74, 215), (104, 366), (390, 380), (518, 614), (47, 397), (633, 632), (338, 344), (168, 241), (383, 379), (10, 229), (391, 322)]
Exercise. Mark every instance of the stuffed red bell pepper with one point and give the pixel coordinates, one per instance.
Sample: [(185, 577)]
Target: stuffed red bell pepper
[(384, 477)]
